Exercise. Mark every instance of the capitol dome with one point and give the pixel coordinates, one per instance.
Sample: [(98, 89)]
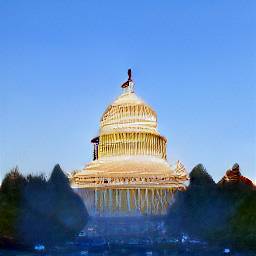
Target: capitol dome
[(129, 149)]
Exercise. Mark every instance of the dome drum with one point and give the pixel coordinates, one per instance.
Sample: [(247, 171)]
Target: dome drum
[(117, 144)]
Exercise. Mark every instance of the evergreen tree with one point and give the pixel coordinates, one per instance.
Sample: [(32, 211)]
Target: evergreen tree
[(199, 177), (10, 202)]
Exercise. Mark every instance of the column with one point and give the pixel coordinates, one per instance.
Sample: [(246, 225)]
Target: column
[(128, 199)]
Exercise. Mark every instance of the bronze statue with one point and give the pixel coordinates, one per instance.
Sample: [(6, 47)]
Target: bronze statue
[(126, 84)]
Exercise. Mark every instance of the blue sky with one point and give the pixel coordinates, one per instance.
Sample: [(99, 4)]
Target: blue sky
[(62, 63)]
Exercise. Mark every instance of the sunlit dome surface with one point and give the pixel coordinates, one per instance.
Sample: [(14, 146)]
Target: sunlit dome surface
[(128, 113)]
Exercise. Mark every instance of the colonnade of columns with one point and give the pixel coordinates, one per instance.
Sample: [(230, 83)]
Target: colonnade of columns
[(132, 144), (125, 202)]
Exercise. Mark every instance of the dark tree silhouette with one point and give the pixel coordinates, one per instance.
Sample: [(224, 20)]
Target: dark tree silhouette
[(34, 210), (200, 177), (10, 202), (224, 213)]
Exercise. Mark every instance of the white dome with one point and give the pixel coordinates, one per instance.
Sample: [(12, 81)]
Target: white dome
[(128, 113)]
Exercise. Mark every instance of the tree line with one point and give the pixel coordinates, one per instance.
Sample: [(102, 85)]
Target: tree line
[(222, 213), (34, 210)]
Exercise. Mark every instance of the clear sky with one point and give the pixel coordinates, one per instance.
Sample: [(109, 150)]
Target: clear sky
[(62, 63)]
